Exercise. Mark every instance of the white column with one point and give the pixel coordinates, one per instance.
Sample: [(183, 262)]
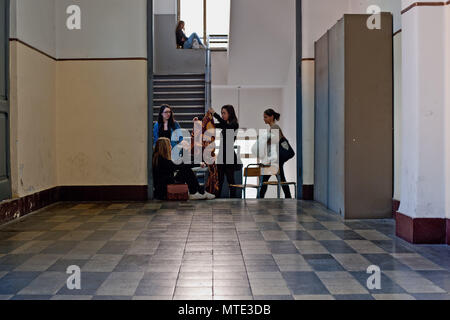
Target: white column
[(425, 143), (447, 111)]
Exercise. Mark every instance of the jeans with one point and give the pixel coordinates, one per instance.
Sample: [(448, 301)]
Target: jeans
[(189, 42), (286, 190)]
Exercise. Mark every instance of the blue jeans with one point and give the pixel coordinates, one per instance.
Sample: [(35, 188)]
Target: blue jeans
[(189, 42)]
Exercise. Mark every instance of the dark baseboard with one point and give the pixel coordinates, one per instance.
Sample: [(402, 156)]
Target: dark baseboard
[(308, 192), (20, 207), (103, 193), (395, 207), (17, 208), (422, 230), (448, 232)]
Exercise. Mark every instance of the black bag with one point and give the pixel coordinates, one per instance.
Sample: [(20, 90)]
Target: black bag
[(286, 151)]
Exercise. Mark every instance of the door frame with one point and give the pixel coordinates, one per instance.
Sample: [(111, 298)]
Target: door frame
[(150, 183), (299, 94), (7, 194), (299, 104)]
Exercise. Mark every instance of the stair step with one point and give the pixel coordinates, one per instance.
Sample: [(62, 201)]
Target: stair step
[(185, 88), (179, 102), (179, 76), (178, 82), (178, 95), (181, 116), (178, 112), (187, 114), (157, 106), (180, 92), (181, 99)]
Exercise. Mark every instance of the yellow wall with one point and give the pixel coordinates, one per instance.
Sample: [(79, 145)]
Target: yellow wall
[(76, 122), (33, 120), (102, 122)]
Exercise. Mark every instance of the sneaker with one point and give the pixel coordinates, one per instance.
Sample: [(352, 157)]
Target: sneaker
[(209, 196), (197, 196), (195, 44)]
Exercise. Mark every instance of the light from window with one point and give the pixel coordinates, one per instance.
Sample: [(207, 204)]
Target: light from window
[(191, 12), (217, 19)]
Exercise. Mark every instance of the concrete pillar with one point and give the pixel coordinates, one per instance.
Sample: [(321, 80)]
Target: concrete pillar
[(425, 123)]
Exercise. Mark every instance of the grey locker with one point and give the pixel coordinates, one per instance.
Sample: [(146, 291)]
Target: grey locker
[(360, 118)]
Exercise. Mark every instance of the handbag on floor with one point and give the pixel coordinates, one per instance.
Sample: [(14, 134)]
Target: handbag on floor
[(177, 192)]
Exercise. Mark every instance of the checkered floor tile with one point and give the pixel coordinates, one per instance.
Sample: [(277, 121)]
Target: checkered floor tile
[(254, 250)]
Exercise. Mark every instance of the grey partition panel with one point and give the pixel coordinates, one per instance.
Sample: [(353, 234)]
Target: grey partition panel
[(168, 59), (321, 121), (369, 113), (336, 159)]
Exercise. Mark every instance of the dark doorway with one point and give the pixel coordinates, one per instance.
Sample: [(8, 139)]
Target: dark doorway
[(5, 180)]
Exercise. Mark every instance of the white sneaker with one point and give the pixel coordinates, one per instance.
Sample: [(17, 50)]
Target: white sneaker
[(195, 44), (209, 196), (197, 196)]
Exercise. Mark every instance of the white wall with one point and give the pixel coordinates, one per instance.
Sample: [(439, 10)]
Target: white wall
[(321, 15), (289, 117), (260, 42), (165, 6), (423, 126), (259, 70), (110, 29), (447, 108), (219, 67), (393, 6), (318, 17)]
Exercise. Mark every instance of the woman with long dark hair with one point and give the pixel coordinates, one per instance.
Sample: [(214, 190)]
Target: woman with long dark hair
[(186, 42), (167, 127), (271, 117), (228, 164), (166, 172)]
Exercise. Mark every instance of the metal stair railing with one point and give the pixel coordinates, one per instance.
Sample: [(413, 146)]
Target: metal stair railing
[(208, 76)]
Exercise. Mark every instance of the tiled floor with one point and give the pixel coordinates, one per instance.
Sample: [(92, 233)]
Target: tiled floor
[(213, 250)]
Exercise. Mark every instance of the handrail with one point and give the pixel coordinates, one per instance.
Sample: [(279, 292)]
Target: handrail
[(208, 76), (217, 39), (211, 39)]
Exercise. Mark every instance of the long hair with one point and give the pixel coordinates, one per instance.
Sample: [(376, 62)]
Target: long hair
[(180, 25), (161, 119), (232, 114), (272, 113), (163, 148)]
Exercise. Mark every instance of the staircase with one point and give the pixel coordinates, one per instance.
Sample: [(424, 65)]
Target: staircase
[(185, 93)]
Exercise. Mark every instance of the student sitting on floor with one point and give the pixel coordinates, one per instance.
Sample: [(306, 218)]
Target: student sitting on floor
[(166, 172)]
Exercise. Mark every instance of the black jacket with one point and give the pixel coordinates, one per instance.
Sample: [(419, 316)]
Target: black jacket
[(181, 38), (224, 125), (164, 174)]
